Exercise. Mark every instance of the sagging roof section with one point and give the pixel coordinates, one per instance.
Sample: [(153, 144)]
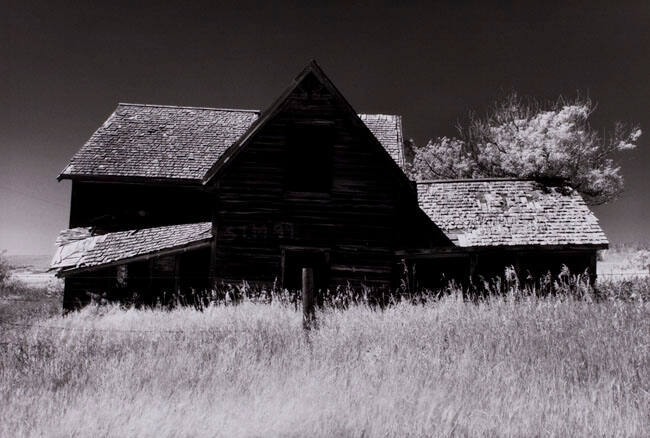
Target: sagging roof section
[(182, 143), (122, 246), (501, 212)]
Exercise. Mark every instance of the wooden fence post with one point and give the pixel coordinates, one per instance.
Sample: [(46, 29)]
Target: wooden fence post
[(308, 298)]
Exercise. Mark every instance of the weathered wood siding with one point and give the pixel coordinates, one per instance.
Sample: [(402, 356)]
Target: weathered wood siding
[(357, 225)]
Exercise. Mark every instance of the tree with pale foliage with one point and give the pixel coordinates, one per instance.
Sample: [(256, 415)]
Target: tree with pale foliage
[(523, 138)]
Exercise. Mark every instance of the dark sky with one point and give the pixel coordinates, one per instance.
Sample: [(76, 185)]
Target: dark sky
[(65, 66)]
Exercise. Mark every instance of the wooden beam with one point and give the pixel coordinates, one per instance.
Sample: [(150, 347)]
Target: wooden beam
[(283, 264), (593, 261), (213, 242), (177, 274), (473, 263), (308, 298), (150, 280)]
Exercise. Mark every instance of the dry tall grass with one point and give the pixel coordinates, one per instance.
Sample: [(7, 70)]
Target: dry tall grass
[(503, 367)]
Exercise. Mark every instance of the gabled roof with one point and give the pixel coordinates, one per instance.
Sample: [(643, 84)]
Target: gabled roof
[(157, 142), (506, 212), (124, 246), (312, 72)]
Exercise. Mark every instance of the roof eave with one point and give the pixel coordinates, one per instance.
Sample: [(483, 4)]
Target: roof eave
[(537, 246), (129, 179)]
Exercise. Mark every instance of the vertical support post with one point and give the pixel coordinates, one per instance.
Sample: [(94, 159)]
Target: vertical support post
[(150, 271), (593, 264), (283, 257), (308, 298), (213, 242), (517, 267), (473, 262), (213, 263), (177, 274)]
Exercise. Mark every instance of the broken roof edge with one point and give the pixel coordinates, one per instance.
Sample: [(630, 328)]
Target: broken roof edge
[(199, 243), (200, 235)]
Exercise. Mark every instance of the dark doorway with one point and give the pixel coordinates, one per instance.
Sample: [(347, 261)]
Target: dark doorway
[(438, 272)]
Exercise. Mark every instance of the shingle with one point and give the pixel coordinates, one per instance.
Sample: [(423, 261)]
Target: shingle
[(509, 213), (159, 142), (388, 130), (113, 247), (155, 141)]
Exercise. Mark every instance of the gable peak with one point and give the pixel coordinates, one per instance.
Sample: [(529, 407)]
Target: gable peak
[(312, 69)]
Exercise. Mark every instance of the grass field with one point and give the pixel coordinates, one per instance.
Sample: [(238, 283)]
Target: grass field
[(503, 367), (624, 261)]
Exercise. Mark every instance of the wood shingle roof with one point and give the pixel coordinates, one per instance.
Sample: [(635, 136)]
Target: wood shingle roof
[(152, 141), (121, 246), (480, 213), (182, 143), (388, 130)]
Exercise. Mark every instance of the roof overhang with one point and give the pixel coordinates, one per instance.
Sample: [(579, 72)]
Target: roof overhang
[(79, 250), (129, 179), (464, 251), (139, 258)]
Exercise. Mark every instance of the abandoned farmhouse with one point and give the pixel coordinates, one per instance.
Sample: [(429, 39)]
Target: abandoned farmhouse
[(171, 198)]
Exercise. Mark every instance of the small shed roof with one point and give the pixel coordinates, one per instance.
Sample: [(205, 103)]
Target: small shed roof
[(506, 212), (182, 143), (121, 246)]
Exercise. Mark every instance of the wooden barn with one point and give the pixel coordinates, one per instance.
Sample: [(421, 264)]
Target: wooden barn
[(169, 198)]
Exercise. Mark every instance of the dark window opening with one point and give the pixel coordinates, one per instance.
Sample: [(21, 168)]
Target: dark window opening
[(310, 158)]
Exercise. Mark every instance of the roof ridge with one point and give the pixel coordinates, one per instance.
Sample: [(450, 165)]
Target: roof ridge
[(443, 181), (153, 105)]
